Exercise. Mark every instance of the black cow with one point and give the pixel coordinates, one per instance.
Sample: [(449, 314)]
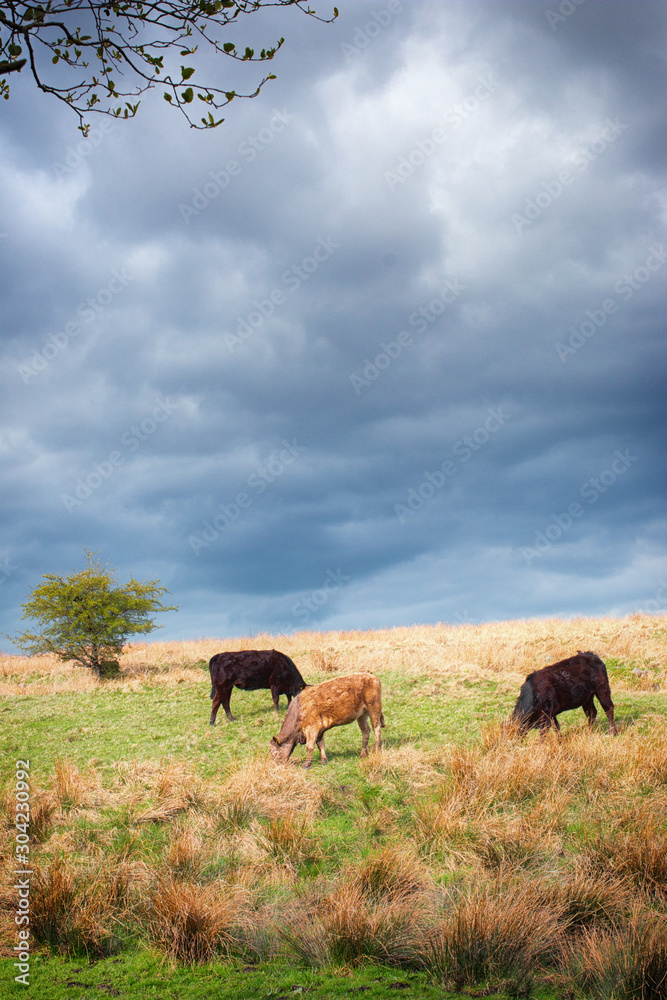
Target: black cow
[(568, 684), (252, 669)]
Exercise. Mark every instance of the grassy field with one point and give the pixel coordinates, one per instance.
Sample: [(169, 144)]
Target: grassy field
[(170, 859)]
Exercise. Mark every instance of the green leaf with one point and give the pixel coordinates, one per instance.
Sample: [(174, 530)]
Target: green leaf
[(167, 97), (188, 95), (229, 47), (186, 72)]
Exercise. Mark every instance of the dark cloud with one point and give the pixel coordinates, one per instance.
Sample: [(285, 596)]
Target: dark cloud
[(386, 347)]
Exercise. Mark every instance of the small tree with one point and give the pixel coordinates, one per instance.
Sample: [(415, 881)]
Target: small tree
[(85, 618)]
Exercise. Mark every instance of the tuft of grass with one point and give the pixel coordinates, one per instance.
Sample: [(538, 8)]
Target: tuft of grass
[(267, 790), (589, 900), (491, 936), (639, 854), (391, 875), (185, 855), (289, 839), (192, 923), (68, 785), (346, 929), (626, 963), (71, 911), (42, 809)]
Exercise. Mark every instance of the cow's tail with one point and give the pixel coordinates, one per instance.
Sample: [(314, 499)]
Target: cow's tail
[(212, 691), (382, 720)]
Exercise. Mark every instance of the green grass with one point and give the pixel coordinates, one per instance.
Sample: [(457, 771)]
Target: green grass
[(470, 812), (138, 974)]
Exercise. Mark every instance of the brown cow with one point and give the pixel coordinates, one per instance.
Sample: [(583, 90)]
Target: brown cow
[(322, 706), (568, 684)]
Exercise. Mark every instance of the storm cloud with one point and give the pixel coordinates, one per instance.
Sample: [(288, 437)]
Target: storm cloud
[(386, 347)]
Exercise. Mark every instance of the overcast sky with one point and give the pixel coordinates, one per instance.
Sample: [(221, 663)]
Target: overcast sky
[(387, 347)]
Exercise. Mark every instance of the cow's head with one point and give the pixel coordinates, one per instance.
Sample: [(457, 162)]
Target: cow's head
[(283, 750)]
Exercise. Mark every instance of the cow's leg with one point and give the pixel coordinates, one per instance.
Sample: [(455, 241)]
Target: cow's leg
[(365, 732), (604, 697), (312, 738), (590, 710), (547, 720), (275, 694), (311, 741), (377, 722), (217, 698), (320, 747), (225, 694)]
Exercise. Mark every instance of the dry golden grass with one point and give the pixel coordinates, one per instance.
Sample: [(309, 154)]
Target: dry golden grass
[(346, 927), (444, 656), (270, 790), (74, 910), (634, 849), (628, 962), (486, 934), (392, 874), (194, 923), (177, 790), (418, 767), (186, 855)]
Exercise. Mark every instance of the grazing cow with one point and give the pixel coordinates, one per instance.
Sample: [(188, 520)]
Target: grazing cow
[(251, 669), (570, 683), (322, 706)]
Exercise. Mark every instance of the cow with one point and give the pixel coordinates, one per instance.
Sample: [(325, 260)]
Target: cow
[(320, 707), (568, 684), (252, 669)]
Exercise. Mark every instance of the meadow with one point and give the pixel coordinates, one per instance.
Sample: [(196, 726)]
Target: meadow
[(170, 859)]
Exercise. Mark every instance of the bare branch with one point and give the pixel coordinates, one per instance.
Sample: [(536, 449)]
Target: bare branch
[(143, 44)]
